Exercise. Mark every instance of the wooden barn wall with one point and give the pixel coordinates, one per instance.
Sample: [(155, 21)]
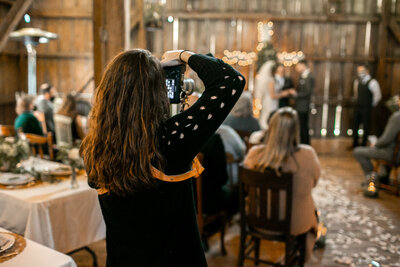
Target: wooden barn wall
[(9, 81), (334, 45), (66, 63)]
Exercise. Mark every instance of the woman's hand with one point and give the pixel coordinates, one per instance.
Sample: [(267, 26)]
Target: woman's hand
[(176, 56)]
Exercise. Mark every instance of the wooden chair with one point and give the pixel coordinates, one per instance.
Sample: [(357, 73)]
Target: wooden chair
[(245, 135), (394, 166), (39, 142), (63, 129), (42, 119), (262, 219), (82, 125), (7, 130), (231, 162), (203, 220)]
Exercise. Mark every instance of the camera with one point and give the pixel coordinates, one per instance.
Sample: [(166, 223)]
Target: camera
[(178, 88), (174, 77)]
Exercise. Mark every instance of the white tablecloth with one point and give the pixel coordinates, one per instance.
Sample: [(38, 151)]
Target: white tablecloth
[(54, 215), (36, 255)]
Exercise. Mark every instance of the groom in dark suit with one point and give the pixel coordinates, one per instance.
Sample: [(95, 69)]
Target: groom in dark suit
[(305, 89)]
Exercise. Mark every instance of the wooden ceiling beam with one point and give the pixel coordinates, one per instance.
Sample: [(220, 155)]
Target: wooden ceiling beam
[(395, 29), (8, 2), (13, 17), (275, 17), (60, 14)]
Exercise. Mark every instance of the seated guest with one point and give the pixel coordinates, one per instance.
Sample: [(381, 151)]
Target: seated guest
[(382, 149), (217, 196), (241, 117), (26, 120), (257, 137), (233, 144), (68, 108), (45, 104), (282, 151)]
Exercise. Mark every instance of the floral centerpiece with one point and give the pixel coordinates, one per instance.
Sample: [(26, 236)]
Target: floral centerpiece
[(70, 155), (12, 151)]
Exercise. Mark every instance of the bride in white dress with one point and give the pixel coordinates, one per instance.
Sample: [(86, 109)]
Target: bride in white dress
[(267, 92)]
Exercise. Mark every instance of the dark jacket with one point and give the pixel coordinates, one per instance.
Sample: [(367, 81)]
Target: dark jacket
[(305, 90)]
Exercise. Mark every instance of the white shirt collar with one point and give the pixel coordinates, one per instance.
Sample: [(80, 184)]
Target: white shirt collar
[(366, 79), (305, 73)]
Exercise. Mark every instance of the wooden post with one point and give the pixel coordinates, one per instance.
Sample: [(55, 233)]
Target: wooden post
[(111, 25), (383, 43), (141, 34)]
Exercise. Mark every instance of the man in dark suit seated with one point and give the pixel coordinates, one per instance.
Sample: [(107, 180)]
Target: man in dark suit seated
[(382, 149)]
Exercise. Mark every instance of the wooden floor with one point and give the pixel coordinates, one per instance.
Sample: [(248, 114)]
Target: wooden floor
[(359, 229)]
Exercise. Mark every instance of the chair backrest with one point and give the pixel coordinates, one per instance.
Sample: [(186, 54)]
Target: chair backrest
[(62, 125), (42, 119), (7, 130), (245, 135), (82, 126), (265, 192), (39, 142), (396, 150)]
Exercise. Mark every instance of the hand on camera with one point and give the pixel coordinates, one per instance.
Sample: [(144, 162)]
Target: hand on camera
[(175, 57)]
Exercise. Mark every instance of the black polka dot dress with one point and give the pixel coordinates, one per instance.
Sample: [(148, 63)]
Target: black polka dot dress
[(158, 227)]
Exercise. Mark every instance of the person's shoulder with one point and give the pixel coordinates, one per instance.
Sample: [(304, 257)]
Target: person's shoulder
[(256, 149), (306, 149), (395, 116)]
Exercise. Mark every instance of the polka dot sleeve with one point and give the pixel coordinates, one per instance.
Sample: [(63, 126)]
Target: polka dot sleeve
[(184, 134)]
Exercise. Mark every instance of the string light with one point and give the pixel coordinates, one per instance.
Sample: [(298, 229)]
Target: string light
[(289, 59), (238, 57)]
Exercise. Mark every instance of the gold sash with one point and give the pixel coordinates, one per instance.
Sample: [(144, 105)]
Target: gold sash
[(196, 170)]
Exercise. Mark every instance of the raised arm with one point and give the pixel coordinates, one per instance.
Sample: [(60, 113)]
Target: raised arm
[(184, 134)]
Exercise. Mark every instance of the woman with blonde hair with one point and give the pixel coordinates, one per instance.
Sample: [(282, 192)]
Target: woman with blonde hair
[(283, 152)]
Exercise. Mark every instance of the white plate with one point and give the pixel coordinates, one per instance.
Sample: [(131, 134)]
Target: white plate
[(6, 241), (9, 178), (46, 166)]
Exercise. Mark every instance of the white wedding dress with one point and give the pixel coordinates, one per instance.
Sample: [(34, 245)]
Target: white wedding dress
[(261, 92)]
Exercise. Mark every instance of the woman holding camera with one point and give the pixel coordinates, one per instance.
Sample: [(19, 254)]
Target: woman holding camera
[(140, 160)]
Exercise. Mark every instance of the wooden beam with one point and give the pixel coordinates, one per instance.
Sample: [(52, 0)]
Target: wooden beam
[(56, 55), (14, 15), (138, 26), (383, 43), (111, 28), (274, 17), (395, 29), (8, 2), (59, 14), (7, 99)]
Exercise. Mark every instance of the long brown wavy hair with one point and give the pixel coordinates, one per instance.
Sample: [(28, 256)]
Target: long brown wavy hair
[(68, 107), (130, 104)]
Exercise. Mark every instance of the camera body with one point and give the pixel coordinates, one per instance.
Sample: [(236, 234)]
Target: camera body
[(178, 88), (174, 77)]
